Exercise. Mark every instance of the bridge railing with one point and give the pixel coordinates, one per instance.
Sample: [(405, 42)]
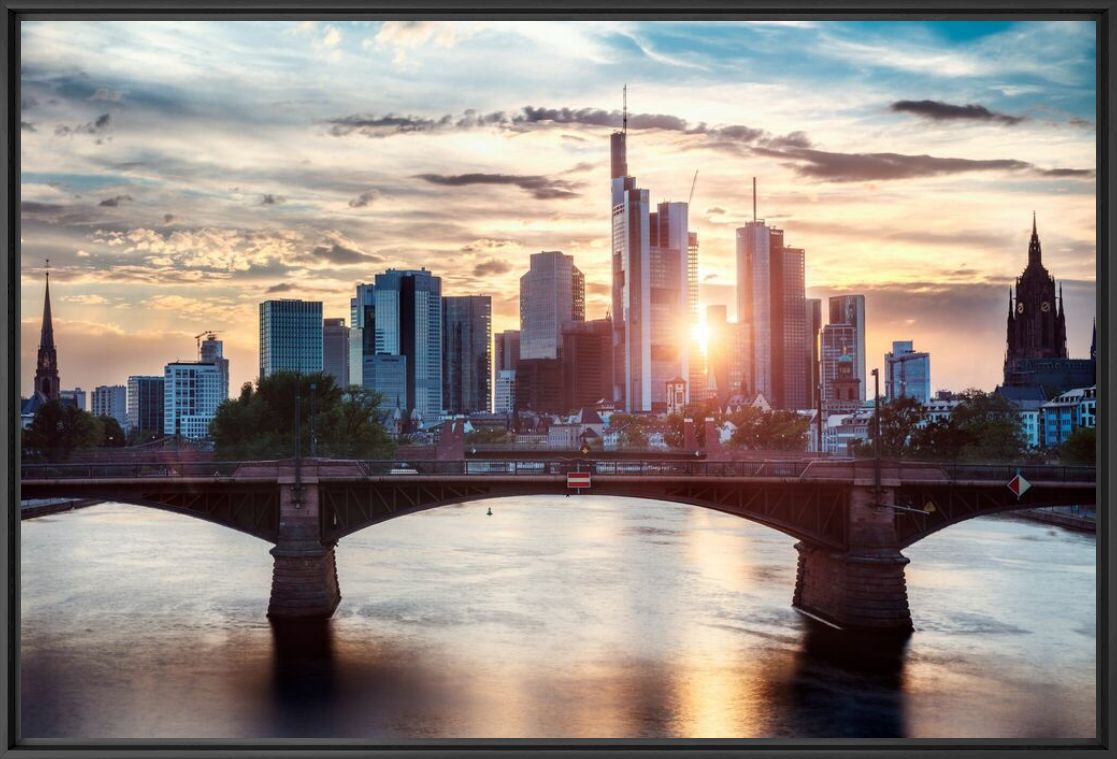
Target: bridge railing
[(1033, 473), (128, 470)]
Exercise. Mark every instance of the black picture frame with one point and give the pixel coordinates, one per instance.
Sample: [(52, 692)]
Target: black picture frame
[(1103, 12)]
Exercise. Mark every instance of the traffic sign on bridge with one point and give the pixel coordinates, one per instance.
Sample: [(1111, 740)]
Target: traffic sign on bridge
[(578, 480), (1018, 485)]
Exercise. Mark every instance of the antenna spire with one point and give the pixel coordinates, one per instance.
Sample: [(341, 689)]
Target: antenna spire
[(624, 109), (754, 198)]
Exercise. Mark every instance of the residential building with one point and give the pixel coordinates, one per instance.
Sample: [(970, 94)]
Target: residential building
[(907, 372), (111, 400), (192, 391), (467, 356), (1066, 413), (290, 337)]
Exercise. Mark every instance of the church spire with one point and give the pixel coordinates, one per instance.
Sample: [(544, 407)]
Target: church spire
[(1034, 252), (46, 370)]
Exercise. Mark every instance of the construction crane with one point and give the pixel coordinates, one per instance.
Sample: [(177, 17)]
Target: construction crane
[(208, 334), (693, 182)]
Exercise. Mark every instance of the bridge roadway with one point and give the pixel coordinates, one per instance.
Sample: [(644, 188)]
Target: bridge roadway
[(850, 571)]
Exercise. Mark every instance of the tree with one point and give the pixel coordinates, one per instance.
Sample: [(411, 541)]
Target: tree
[(260, 423), (487, 435), (982, 427), (112, 434), (899, 420), (1080, 448), (775, 430), (632, 429), (58, 430)]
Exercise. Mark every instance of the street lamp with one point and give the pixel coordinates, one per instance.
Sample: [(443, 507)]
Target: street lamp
[(876, 429), (313, 439)]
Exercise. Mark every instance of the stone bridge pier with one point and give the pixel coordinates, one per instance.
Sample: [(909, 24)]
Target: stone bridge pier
[(304, 576), (862, 588)]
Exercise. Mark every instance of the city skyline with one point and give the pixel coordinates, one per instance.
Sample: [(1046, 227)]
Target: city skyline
[(153, 252)]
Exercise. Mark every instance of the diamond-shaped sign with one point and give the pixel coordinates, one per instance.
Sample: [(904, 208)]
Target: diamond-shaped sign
[(1018, 485)]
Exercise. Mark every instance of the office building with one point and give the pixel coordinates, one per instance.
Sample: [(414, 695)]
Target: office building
[(814, 333), (145, 404), (290, 336), (587, 363), (335, 351), (362, 337), (75, 398), (539, 386), (506, 354), (111, 400), (467, 357), (552, 293), (850, 309), (907, 372), (721, 345), (837, 345), (1067, 412), (771, 303), (192, 391), (406, 321), (212, 351)]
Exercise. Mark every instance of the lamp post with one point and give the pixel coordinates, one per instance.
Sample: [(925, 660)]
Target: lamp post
[(298, 498), (876, 429), (313, 439)]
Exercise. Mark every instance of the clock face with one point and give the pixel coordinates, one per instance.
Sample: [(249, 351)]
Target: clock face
[(1045, 307), (1019, 308)]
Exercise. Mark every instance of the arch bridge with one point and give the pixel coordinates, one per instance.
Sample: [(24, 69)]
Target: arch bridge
[(851, 518)]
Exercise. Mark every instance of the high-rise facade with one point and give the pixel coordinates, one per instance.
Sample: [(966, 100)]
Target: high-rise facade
[(654, 303), (771, 303), (362, 335), (837, 345), (335, 351), (907, 372), (407, 322), (814, 332), (212, 351), (587, 363), (720, 348), (467, 357), (552, 293), (850, 309), (192, 391), (111, 400), (506, 354), (145, 403), (290, 336)]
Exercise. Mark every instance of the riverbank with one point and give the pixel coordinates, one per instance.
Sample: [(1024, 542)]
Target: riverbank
[(1071, 517), (41, 507)]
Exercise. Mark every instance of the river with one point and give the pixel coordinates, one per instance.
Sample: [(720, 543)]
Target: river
[(554, 617)]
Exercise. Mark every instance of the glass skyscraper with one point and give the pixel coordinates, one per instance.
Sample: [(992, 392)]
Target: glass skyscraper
[(907, 372), (467, 356), (850, 309), (290, 336), (145, 403), (552, 293), (406, 320)]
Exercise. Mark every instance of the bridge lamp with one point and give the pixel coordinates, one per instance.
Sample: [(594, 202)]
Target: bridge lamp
[(313, 439)]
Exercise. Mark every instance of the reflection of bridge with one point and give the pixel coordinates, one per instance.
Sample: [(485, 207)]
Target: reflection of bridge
[(851, 571)]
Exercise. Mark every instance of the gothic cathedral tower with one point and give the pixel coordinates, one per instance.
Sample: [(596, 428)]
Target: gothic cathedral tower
[(46, 370), (1036, 320)]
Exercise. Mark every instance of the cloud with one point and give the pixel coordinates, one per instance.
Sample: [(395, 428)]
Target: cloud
[(335, 253), (271, 200), (364, 199), (491, 267), (540, 187), (97, 126), (487, 243), (115, 201), (936, 110), (862, 167), (107, 95), (27, 126), (168, 218), (282, 287), (86, 300)]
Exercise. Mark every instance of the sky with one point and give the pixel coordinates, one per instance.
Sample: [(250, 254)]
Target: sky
[(176, 174)]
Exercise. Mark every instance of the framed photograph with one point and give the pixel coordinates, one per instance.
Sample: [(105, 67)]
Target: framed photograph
[(421, 380)]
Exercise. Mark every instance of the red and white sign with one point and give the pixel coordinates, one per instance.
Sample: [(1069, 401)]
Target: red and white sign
[(1018, 485), (577, 480)]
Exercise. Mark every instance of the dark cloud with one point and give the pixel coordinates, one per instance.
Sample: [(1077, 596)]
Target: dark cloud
[(168, 218), (864, 167), (715, 210), (580, 167), (115, 201), (282, 287), (339, 254), (364, 199), (936, 110), (487, 244), (491, 267), (542, 188), (97, 126), (27, 126), (1081, 123), (271, 200)]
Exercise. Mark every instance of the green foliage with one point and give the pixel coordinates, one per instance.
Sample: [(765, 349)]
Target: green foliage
[(633, 429), (898, 424), (774, 430), (487, 435), (112, 434), (1081, 448), (983, 427), (260, 423), (58, 430)]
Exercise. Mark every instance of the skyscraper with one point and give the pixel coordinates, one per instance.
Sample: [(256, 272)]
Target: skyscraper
[(771, 304), (907, 372), (668, 291), (552, 293), (850, 309), (145, 404), (720, 347), (362, 336), (290, 336), (335, 351), (192, 391), (111, 400), (407, 322), (814, 330), (838, 340), (467, 353), (587, 363), (211, 350), (506, 354)]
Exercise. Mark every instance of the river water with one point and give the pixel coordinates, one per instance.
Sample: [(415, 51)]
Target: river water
[(554, 617)]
